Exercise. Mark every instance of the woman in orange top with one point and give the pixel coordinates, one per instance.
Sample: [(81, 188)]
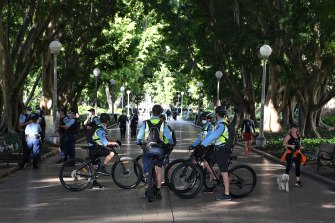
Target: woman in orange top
[(293, 146)]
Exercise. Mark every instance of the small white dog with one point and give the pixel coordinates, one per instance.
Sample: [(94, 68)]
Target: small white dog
[(282, 180)]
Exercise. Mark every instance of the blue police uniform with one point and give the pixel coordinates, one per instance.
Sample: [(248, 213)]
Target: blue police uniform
[(154, 151), (24, 117), (70, 138), (206, 131), (33, 139)]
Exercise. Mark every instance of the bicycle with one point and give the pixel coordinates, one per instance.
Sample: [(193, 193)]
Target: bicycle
[(77, 174), (189, 177), (151, 179), (168, 167)]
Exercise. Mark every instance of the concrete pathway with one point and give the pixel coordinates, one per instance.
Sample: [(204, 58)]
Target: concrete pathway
[(37, 195)]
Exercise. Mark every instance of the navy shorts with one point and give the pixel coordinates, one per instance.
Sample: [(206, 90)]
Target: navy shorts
[(221, 157)]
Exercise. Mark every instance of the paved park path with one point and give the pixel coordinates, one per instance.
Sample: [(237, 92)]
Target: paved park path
[(37, 196)]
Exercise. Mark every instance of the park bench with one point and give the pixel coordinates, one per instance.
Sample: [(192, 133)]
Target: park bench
[(325, 155), (9, 151)]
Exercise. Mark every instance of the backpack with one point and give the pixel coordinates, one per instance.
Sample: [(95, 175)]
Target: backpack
[(232, 136), (155, 136)]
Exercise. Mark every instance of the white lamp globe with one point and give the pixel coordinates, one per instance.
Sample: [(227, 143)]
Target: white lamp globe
[(265, 51)]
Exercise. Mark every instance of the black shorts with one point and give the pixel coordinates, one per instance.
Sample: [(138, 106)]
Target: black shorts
[(221, 157), (96, 152)]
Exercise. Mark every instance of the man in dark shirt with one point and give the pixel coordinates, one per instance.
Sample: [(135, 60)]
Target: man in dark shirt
[(122, 122), (247, 127)]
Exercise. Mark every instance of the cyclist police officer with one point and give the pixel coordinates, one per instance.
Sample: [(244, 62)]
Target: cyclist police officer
[(207, 128), (157, 151), (98, 148), (221, 153)]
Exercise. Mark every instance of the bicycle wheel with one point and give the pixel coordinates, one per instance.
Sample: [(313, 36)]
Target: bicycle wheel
[(124, 173), (139, 160), (151, 183), (169, 170), (75, 175), (187, 180), (210, 182), (242, 180)]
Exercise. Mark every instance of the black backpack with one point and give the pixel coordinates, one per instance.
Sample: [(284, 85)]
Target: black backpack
[(154, 136), (232, 136)]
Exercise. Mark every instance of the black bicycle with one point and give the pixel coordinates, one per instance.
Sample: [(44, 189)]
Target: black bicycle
[(189, 177), (151, 179), (77, 174), (166, 165)]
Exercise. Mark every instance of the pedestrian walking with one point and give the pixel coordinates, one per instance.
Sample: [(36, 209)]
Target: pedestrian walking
[(122, 122), (24, 120), (293, 154), (33, 139), (248, 130), (133, 125)]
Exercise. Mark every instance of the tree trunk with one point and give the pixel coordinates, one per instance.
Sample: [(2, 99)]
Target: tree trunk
[(109, 98)]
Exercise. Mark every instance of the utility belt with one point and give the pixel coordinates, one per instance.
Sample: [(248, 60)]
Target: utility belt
[(34, 136), (222, 148)]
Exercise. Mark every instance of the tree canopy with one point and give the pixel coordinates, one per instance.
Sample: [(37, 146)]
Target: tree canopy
[(163, 47)]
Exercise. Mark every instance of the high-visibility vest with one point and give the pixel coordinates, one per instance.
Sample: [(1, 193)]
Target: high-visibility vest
[(223, 138)]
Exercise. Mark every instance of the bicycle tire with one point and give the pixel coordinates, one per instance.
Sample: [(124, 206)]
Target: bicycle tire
[(169, 169), (187, 180), (242, 179), (75, 175), (151, 183), (139, 160), (208, 184), (124, 173)]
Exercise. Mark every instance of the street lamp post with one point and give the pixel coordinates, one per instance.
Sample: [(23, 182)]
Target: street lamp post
[(113, 84), (200, 85), (265, 51), (181, 102), (122, 90), (218, 75), (128, 92), (96, 73), (55, 47)]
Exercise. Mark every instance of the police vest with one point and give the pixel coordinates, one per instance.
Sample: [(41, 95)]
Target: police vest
[(95, 137), (223, 138), (73, 129), (204, 131), (61, 122)]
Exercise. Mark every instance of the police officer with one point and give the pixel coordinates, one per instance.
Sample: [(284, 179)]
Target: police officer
[(219, 137), (33, 139), (67, 132), (207, 127), (97, 147), (24, 120), (41, 121), (156, 150), (70, 131), (91, 119)]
